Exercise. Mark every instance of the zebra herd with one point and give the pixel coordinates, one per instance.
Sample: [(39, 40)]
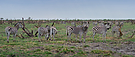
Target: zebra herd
[(80, 30)]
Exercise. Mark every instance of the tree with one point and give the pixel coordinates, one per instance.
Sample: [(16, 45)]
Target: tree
[(1, 20)]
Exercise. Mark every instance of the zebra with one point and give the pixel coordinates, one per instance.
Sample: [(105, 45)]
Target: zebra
[(117, 28), (102, 29), (13, 30), (53, 31), (43, 31), (82, 30)]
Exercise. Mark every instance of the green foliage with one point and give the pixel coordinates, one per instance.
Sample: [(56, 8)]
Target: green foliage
[(37, 50), (66, 51), (86, 46), (47, 52), (97, 51)]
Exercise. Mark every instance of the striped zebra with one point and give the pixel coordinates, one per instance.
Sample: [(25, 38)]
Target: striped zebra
[(13, 30), (82, 30), (117, 29), (53, 31), (102, 29), (43, 31)]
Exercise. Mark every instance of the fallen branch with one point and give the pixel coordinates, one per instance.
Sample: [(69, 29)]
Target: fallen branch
[(18, 36), (26, 32), (36, 34), (132, 35), (22, 36)]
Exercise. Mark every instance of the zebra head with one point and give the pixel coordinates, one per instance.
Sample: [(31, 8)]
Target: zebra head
[(19, 24), (85, 25), (107, 25)]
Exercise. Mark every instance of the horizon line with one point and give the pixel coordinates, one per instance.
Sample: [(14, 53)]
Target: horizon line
[(68, 18)]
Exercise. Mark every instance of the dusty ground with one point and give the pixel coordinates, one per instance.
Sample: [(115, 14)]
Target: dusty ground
[(127, 48)]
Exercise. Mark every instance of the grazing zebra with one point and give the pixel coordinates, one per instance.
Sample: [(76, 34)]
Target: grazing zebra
[(117, 28), (43, 31), (102, 29), (13, 30), (82, 30), (53, 31)]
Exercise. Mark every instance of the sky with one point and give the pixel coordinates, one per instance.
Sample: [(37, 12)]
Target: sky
[(67, 9)]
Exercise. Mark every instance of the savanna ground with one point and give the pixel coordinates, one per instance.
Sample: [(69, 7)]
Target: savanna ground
[(30, 47)]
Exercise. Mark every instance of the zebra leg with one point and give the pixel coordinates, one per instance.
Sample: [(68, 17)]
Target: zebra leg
[(8, 34), (53, 36), (45, 36), (39, 36), (14, 36), (113, 33), (51, 32), (76, 36), (118, 34), (104, 36), (93, 35), (80, 36), (69, 35), (84, 36)]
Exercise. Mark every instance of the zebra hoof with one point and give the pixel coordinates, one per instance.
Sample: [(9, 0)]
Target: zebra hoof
[(7, 41)]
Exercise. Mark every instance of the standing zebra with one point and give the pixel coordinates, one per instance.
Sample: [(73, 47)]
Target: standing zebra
[(81, 30), (53, 31), (102, 29), (13, 30), (117, 29), (43, 31)]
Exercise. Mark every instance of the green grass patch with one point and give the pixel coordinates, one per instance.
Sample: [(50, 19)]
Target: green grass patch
[(86, 46), (47, 52)]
